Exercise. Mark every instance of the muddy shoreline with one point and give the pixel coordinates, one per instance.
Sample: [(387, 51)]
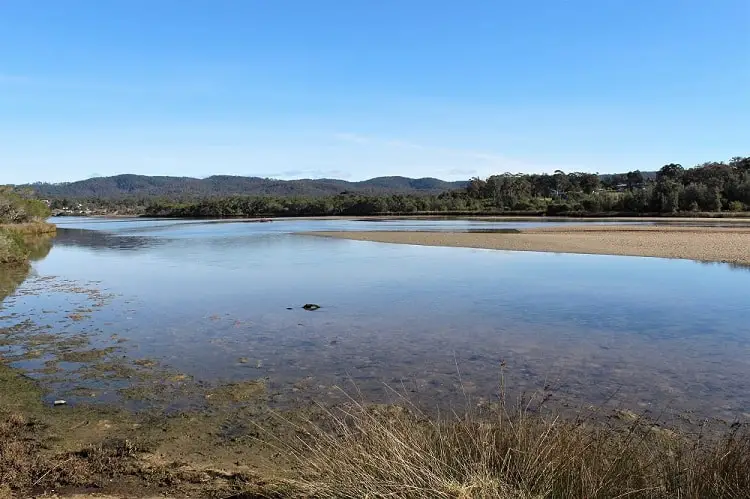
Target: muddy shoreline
[(707, 244)]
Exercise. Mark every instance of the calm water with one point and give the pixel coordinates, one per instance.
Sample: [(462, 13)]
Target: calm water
[(212, 299)]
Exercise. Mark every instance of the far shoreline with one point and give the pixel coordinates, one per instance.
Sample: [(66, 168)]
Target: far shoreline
[(593, 218)]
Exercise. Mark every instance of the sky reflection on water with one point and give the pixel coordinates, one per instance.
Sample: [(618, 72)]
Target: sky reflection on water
[(201, 296)]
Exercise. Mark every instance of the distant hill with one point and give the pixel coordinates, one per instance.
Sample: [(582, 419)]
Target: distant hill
[(126, 186)]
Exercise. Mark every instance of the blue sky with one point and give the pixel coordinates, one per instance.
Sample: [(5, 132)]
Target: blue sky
[(355, 89)]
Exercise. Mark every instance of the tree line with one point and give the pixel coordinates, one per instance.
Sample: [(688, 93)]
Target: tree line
[(346, 204), (709, 187)]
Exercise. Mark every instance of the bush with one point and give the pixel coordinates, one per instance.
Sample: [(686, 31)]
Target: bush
[(532, 204), (736, 206), (560, 207), (592, 204), (637, 201), (16, 209)]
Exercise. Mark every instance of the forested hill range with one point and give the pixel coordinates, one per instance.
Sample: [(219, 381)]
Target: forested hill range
[(706, 188), (186, 188)]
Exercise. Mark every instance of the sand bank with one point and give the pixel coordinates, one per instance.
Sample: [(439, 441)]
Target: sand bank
[(711, 244)]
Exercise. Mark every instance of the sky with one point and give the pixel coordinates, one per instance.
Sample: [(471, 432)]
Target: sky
[(355, 89)]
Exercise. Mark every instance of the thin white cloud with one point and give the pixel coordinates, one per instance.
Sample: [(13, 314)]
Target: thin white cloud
[(352, 137), (484, 161), (365, 139), (460, 172), (296, 174)]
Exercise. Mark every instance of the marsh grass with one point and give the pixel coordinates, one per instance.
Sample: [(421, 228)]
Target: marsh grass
[(508, 452), (29, 228)]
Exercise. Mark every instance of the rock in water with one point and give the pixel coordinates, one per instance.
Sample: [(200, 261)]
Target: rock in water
[(311, 306), (59, 402)]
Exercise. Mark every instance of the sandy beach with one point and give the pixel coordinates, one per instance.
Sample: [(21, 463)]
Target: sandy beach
[(709, 244)]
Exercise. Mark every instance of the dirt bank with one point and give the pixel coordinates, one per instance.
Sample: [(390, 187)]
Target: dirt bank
[(710, 244)]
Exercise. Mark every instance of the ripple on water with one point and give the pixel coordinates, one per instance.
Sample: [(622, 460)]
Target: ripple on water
[(208, 303)]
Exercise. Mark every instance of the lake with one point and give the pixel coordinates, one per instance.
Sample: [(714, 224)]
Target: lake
[(222, 301)]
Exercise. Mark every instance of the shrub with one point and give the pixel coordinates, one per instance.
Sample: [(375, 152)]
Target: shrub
[(736, 206), (15, 209), (560, 207), (531, 204), (592, 204)]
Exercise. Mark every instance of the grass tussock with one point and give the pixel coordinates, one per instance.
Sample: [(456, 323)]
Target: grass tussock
[(392, 452)]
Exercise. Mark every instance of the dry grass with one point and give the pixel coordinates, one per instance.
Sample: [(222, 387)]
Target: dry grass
[(19, 457), (397, 452), (30, 228), (393, 452)]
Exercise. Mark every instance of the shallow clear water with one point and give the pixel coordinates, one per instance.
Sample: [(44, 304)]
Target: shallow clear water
[(211, 299)]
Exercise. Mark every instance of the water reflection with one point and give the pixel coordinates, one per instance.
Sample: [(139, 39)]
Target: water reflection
[(11, 276), (38, 246), (101, 241), (732, 265), (223, 301)]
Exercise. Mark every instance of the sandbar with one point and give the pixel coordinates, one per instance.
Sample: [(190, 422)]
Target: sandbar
[(708, 244)]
